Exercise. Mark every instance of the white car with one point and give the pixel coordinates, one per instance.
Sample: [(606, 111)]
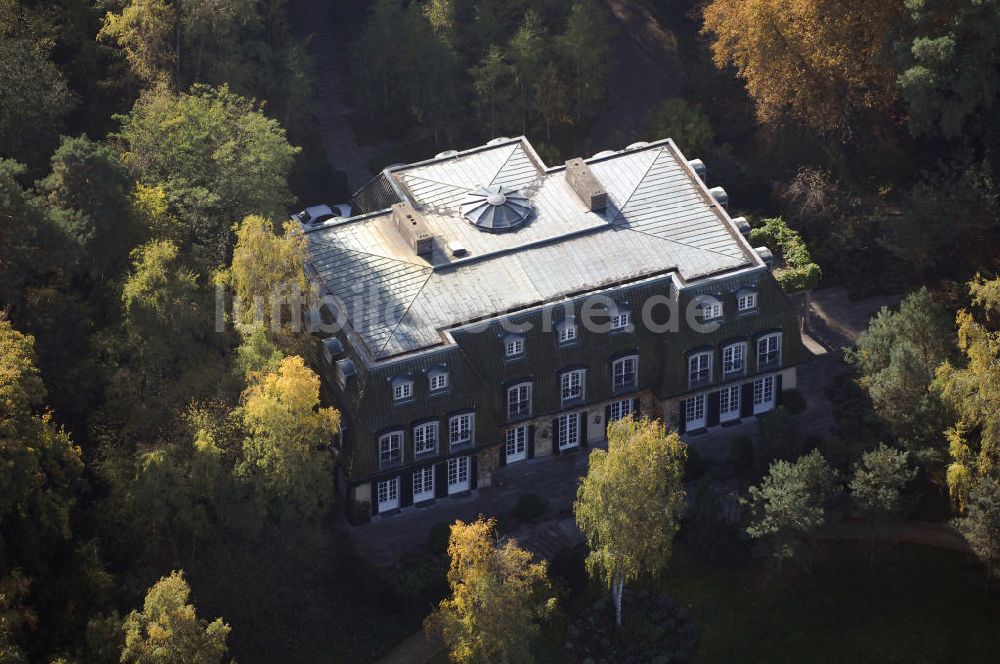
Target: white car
[(317, 214)]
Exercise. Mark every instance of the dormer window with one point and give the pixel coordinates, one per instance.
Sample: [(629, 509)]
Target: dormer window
[(621, 319), (710, 309), (746, 301), (513, 346), (623, 372), (566, 331), (402, 388), (571, 385), (437, 379)]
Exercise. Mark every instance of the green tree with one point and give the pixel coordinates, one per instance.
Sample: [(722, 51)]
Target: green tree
[(34, 97), (168, 630), (491, 82), (972, 391), (896, 359), (877, 488), (497, 597), (585, 48), (686, 123), (144, 31), (790, 504), (552, 100), (628, 503), (980, 525), (527, 56), (215, 155), (286, 453)]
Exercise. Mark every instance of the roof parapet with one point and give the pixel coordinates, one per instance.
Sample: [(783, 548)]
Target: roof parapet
[(586, 185)]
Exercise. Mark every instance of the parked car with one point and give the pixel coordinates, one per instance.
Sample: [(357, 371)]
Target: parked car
[(317, 214)]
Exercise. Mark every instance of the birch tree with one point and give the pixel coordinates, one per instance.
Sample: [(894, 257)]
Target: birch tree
[(628, 505)]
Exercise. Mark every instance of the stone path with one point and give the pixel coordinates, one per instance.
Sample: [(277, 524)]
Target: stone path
[(343, 151)]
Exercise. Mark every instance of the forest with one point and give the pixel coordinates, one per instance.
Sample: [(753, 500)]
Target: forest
[(167, 488)]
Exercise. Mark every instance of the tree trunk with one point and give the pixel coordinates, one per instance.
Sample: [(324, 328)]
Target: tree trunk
[(617, 588)]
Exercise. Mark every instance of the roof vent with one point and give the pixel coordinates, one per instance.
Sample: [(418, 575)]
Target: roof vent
[(413, 228), (456, 248), (496, 208), (720, 196), (585, 184), (742, 225), (699, 168)]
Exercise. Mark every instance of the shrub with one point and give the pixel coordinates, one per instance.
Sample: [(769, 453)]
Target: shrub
[(437, 538), (530, 507), (793, 401), (776, 438), (695, 467), (741, 452), (800, 272), (360, 513)]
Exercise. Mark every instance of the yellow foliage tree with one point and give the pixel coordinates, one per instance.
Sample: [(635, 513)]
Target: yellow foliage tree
[(816, 60), (287, 450), (628, 504), (497, 596)]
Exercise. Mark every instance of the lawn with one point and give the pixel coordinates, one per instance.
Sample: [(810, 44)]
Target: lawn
[(918, 604)]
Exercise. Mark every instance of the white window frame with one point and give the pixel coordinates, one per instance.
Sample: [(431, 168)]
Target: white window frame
[(402, 390), (438, 381), (458, 474), (710, 309), (513, 347), (694, 411), (461, 429), (622, 369), (519, 400), (572, 385), (621, 320), (746, 302), (423, 480), (734, 359), (425, 438), (567, 333), (619, 410), (700, 368), (729, 403), (763, 394), (767, 346), (387, 494), (390, 445), (516, 444), (568, 430)]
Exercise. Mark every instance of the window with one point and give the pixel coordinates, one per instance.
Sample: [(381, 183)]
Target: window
[(513, 346), (439, 381), (619, 410), (425, 438), (621, 320), (387, 493), (695, 411), (623, 373), (763, 394), (732, 359), (423, 484), (746, 302), (390, 448), (402, 390), (769, 351), (517, 443), (699, 369), (572, 385), (568, 430), (567, 333), (458, 474), (519, 400), (710, 308), (460, 430), (729, 403)]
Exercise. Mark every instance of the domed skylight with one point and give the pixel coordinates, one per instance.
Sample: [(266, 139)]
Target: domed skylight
[(496, 208)]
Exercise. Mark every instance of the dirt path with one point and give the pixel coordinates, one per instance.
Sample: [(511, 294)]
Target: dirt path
[(647, 70)]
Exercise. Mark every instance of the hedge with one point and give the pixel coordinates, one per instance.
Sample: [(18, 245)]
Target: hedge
[(801, 272)]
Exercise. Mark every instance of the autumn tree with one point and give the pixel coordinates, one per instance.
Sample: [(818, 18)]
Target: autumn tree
[(168, 630), (286, 452), (498, 595), (628, 504), (896, 358), (972, 391), (980, 525), (877, 487), (145, 32), (817, 61), (790, 505)]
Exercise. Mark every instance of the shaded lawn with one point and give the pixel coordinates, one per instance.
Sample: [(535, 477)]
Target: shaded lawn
[(918, 605)]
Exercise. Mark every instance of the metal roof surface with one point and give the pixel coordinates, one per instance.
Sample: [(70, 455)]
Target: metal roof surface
[(659, 218)]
